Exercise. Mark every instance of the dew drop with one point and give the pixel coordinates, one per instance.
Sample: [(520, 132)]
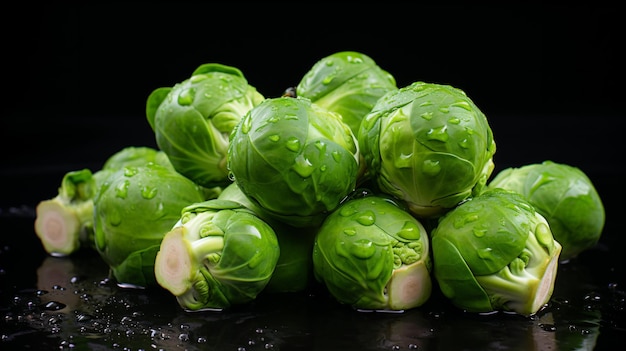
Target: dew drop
[(454, 120), (114, 217), (362, 248), (336, 156), (148, 192), (440, 134), (349, 231), (328, 79), (303, 166), (427, 115), (485, 253), (246, 124), (293, 144), (54, 306), (274, 137), (121, 190), (462, 104), (431, 167), (426, 103), (347, 211), (186, 97), (409, 231), (198, 78), (479, 233), (366, 218)]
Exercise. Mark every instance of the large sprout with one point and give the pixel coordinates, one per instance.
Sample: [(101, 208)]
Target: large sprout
[(193, 119), (218, 254), (495, 252), (429, 145), (347, 82), (372, 254), (294, 159), (565, 196), (134, 208), (64, 223)]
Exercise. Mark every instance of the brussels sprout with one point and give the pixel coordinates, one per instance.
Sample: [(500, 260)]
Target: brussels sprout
[(373, 255), (192, 121), (429, 145), (64, 224), (134, 208), (294, 269), (294, 159), (346, 82), (218, 254), (495, 252), (565, 196)]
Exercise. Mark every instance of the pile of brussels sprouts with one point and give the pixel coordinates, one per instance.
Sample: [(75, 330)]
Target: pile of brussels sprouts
[(377, 193)]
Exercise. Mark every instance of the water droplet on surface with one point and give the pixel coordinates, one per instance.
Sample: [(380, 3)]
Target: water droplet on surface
[(114, 217), (293, 144), (462, 104), (454, 120), (303, 166), (409, 231), (274, 137), (440, 134), (431, 167), (186, 97), (485, 253), (121, 190), (366, 218), (148, 192), (336, 156), (349, 231), (362, 248), (427, 115), (347, 211)]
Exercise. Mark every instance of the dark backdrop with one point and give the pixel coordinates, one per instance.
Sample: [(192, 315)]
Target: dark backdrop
[(76, 77)]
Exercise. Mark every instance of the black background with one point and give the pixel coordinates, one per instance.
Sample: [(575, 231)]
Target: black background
[(76, 77)]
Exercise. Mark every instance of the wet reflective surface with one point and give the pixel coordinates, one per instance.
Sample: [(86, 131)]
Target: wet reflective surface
[(70, 303)]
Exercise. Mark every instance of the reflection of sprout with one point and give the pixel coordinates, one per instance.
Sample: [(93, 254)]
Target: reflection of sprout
[(348, 83), (294, 159), (64, 223), (429, 145), (565, 196), (192, 120), (219, 254), (54, 277), (495, 252), (371, 254), (134, 209)]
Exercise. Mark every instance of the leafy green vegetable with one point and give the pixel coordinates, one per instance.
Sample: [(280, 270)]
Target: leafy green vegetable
[(429, 145), (219, 254), (495, 252), (294, 159), (193, 119), (294, 269), (64, 224), (565, 196), (371, 254), (346, 82), (134, 208)]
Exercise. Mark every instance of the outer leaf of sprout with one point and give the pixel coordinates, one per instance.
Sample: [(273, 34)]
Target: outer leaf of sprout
[(495, 252), (218, 254), (193, 119)]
